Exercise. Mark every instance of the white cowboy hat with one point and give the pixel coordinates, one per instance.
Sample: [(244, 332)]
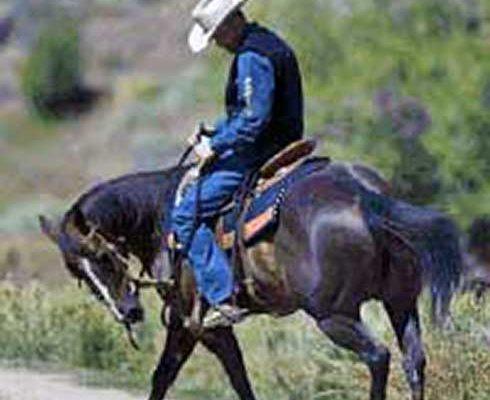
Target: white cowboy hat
[(208, 16)]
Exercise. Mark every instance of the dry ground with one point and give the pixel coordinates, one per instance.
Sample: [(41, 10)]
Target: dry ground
[(22, 384)]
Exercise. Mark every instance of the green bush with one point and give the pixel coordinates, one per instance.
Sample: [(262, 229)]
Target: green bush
[(429, 18), (68, 327), (53, 70), (287, 358), (432, 52)]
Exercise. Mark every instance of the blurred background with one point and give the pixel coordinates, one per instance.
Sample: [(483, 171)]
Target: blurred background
[(93, 89)]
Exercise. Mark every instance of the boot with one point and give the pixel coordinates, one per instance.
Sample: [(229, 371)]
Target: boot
[(224, 315)]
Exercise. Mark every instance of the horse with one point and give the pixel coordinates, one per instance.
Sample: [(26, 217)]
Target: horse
[(339, 243)]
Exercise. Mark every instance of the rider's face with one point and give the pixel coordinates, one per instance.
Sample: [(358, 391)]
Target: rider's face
[(229, 33)]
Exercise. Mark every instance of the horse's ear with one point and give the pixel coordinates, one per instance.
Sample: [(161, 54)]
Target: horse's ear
[(49, 228)]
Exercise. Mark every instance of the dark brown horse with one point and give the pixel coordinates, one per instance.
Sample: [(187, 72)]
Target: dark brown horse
[(339, 243)]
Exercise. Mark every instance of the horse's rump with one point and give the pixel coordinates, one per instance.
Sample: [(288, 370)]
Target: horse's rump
[(429, 234)]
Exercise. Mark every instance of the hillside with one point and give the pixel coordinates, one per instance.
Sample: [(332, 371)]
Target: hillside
[(401, 85), (137, 54)]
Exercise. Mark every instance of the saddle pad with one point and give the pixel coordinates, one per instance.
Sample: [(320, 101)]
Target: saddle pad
[(262, 214)]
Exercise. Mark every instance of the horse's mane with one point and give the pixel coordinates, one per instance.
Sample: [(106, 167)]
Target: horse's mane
[(128, 203)]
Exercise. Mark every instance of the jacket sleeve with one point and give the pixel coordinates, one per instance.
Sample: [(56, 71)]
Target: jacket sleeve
[(256, 83)]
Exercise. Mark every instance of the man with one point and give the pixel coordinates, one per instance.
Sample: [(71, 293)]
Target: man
[(264, 113)]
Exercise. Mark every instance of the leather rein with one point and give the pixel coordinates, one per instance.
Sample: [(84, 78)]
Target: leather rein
[(97, 243)]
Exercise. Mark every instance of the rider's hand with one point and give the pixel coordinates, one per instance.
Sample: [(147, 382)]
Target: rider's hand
[(203, 148), (194, 138), (201, 130)]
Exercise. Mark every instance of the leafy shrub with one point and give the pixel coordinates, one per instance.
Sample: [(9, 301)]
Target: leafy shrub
[(53, 71), (435, 18), (69, 327), (287, 358), (428, 51), (415, 177)]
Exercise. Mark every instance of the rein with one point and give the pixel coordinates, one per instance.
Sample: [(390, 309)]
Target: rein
[(97, 243)]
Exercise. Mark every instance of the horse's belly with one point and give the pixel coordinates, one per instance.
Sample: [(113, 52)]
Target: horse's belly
[(269, 279)]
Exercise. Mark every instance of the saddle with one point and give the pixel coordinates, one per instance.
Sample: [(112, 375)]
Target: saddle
[(255, 210)]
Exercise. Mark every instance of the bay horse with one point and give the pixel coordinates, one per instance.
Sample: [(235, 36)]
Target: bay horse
[(339, 243)]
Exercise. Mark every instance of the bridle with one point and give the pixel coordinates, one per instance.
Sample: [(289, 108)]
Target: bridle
[(97, 244)]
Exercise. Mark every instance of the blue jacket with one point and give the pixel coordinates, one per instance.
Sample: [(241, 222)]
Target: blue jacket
[(264, 100)]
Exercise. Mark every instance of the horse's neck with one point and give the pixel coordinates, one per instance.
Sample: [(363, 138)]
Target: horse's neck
[(144, 238)]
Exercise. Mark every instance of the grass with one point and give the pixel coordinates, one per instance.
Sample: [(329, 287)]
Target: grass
[(67, 327), (287, 358), (290, 359)]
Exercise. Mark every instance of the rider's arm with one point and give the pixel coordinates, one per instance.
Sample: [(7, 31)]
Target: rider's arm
[(255, 97)]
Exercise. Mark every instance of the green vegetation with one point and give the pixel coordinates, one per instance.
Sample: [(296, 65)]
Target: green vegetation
[(376, 72), (53, 70), (288, 358), (379, 71), (69, 327)]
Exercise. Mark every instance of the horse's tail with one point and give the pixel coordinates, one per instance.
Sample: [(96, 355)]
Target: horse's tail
[(434, 239)]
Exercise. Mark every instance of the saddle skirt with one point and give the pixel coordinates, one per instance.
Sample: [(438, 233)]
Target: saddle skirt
[(258, 217)]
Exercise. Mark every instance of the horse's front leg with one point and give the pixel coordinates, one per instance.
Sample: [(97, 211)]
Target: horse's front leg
[(179, 345), (223, 343)]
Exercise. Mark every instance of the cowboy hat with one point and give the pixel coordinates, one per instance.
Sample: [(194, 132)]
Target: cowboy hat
[(208, 16)]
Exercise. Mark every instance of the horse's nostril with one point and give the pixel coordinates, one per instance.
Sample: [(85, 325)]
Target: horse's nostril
[(135, 315)]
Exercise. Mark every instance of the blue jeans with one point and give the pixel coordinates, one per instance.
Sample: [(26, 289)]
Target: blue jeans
[(212, 270)]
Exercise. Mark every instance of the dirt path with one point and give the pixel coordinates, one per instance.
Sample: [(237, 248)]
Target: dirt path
[(21, 384)]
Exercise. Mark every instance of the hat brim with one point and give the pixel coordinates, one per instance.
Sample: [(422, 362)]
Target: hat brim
[(199, 38)]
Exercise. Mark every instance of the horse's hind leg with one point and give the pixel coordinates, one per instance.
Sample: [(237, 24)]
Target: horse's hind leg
[(223, 344), (407, 328), (353, 335)]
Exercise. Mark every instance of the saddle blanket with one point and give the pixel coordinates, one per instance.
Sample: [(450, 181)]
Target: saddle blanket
[(262, 210)]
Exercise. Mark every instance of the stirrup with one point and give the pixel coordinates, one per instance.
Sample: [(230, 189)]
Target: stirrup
[(224, 315)]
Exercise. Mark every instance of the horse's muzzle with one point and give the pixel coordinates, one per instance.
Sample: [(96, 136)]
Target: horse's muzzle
[(134, 315), (131, 309)]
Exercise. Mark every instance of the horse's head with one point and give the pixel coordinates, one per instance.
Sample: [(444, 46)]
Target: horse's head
[(98, 263)]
